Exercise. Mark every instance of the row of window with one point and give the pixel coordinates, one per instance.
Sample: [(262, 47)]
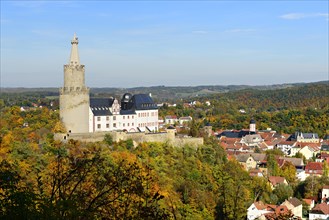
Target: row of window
[(149, 105), (147, 124), (114, 118), (132, 117), (99, 126), (146, 114)]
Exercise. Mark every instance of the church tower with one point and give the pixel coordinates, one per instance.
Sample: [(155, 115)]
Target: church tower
[(252, 125), (74, 96)]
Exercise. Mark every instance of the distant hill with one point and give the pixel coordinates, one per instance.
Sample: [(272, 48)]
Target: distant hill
[(170, 93), (314, 95)]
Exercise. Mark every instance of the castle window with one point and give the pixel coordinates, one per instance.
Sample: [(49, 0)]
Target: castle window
[(132, 117), (107, 118), (132, 124), (107, 125), (114, 118), (128, 124), (123, 117), (128, 116), (114, 125), (98, 118), (124, 124), (98, 126)]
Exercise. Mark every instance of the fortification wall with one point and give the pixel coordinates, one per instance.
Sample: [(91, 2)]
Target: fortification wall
[(189, 141), (136, 137)]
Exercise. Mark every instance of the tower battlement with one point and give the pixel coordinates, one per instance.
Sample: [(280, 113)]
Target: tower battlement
[(77, 67), (67, 90)]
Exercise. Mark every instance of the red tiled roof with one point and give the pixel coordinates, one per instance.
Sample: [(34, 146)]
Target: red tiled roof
[(171, 117), (314, 166), (321, 208), (324, 155), (254, 172), (276, 180), (325, 187), (312, 145), (271, 207), (308, 201), (233, 152), (260, 205), (291, 143), (269, 143), (280, 161), (281, 209)]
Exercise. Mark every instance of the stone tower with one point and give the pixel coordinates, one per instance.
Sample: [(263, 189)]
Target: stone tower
[(74, 96)]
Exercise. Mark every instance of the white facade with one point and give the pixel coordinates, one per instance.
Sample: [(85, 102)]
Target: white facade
[(308, 152), (253, 212), (170, 119), (147, 118), (325, 192), (111, 118), (185, 120), (313, 216)]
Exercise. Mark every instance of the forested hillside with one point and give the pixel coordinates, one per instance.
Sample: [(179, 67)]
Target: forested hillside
[(45, 179), (160, 93), (302, 108), (284, 108)]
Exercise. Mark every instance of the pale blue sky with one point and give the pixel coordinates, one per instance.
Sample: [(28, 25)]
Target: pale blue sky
[(149, 43)]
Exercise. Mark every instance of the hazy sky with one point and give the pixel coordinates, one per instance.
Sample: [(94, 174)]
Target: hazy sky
[(149, 43)]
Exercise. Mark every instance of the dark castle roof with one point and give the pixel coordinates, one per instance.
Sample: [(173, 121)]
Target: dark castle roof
[(101, 106), (137, 102), (235, 134), (304, 135), (143, 102), (129, 104)]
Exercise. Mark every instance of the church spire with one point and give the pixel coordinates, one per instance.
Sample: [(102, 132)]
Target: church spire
[(74, 58)]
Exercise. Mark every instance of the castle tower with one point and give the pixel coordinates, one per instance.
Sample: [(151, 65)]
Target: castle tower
[(74, 96), (252, 125)]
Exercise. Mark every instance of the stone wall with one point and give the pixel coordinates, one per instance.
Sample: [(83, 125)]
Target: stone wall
[(138, 137)]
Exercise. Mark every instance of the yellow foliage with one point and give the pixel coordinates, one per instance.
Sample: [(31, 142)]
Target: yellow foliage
[(7, 140), (59, 127)]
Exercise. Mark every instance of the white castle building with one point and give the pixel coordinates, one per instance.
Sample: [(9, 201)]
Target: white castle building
[(81, 114)]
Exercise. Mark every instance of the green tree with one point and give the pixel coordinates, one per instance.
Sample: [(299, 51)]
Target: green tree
[(108, 139), (283, 192), (289, 172), (272, 166), (233, 185)]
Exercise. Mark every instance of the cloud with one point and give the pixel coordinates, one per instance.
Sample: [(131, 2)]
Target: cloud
[(296, 16), (240, 30), (200, 32)]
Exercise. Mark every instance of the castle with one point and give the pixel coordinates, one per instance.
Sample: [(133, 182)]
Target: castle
[(90, 119), (82, 114)]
